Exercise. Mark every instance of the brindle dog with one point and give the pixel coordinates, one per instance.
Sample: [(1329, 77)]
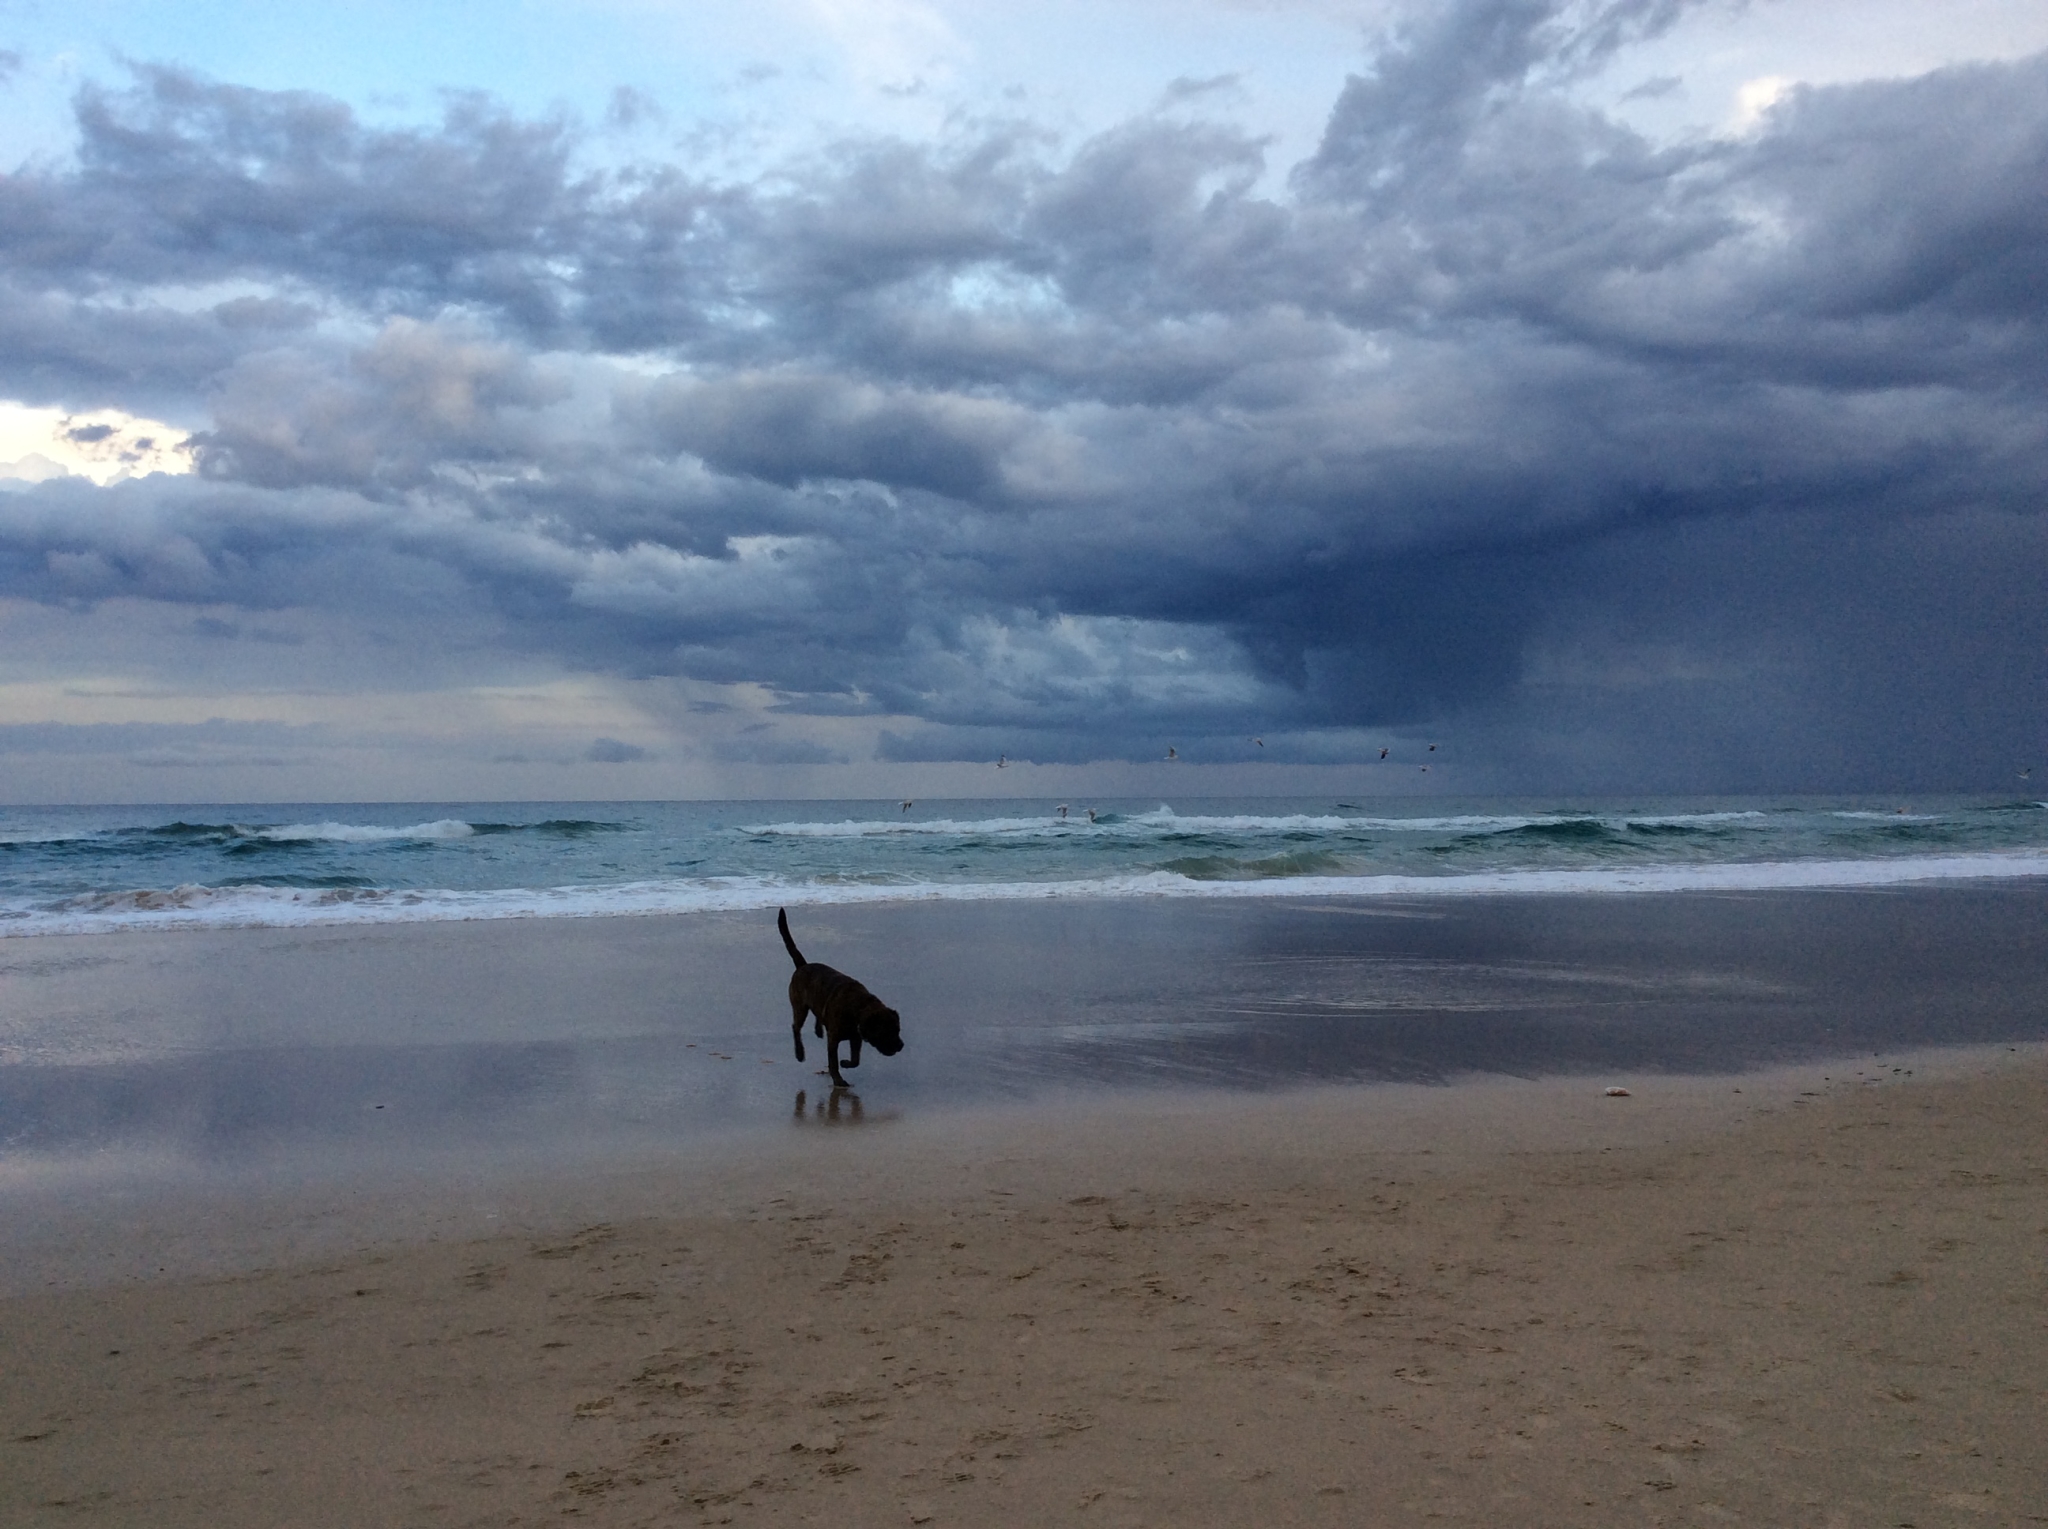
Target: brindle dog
[(845, 1010)]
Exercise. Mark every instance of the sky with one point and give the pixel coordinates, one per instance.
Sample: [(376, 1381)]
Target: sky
[(626, 399)]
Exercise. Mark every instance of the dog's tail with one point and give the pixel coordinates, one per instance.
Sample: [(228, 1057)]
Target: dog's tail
[(782, 923)]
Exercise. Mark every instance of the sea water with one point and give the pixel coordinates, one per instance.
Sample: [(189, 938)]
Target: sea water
[(81, 869)]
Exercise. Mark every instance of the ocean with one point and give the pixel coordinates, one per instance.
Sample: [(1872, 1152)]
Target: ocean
[(68, 870)]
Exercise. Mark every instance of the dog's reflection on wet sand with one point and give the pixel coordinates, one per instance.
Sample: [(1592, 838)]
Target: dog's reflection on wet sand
[(840, 1107), (827, 1111)]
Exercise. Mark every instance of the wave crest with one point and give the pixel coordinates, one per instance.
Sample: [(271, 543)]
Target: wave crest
[(277, 907), (359, 833)]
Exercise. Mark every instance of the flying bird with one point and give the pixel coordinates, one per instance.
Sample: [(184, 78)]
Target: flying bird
[(1002, 761), (1172, 752), (1383, 753), (1432, 748), (908, 805), (1091, 814), (1063, 811), (1260, 742)]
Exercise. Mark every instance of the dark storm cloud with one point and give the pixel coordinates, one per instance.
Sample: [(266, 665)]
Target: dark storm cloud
[(1501, 416), (785, 428)]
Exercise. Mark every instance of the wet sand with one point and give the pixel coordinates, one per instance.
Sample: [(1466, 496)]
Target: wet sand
[(320, 1054), (1819, 1300)]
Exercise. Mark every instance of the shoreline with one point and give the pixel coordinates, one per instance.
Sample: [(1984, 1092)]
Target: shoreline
[(1497, 1299)]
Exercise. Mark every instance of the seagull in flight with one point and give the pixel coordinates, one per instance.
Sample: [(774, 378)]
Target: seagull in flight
[(1260, 742), (1432, 748), (1383, 753), (908, 805), (1002, 761), (1172, 752), (1063, 812)]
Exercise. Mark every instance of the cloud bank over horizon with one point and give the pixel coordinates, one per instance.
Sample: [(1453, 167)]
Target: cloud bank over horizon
[(1710, 464)]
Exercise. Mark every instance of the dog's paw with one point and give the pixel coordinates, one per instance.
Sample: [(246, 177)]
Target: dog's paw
[(852, 1061), (799, 1051)]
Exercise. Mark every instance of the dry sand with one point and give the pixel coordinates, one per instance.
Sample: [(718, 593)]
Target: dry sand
[(1805, 1304)]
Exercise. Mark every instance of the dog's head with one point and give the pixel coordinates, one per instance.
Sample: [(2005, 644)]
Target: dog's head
[(882, 1028)]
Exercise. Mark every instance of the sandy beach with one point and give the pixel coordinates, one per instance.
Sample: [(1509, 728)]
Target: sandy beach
[(1810, 1295), (1383, 662)]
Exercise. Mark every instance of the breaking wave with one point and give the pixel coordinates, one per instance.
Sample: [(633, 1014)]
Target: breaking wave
[(194, 906)]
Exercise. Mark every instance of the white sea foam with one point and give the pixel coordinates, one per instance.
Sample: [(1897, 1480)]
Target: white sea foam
[(195, 907), (359, 833), (1687, 819), (1166, 821), (853, 828)]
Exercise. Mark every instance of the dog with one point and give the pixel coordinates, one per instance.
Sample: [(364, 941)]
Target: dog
[(843, 1008)]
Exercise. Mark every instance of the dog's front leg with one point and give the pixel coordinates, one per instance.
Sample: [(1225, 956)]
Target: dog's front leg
[(832, 1058), (853, 1050), (796, 1026)]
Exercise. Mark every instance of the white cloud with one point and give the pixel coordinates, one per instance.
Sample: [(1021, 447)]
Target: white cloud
[(104, 445), (1756, 97)]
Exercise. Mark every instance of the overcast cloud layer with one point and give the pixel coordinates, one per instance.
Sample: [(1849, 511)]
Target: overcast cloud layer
[(1708, 466)]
